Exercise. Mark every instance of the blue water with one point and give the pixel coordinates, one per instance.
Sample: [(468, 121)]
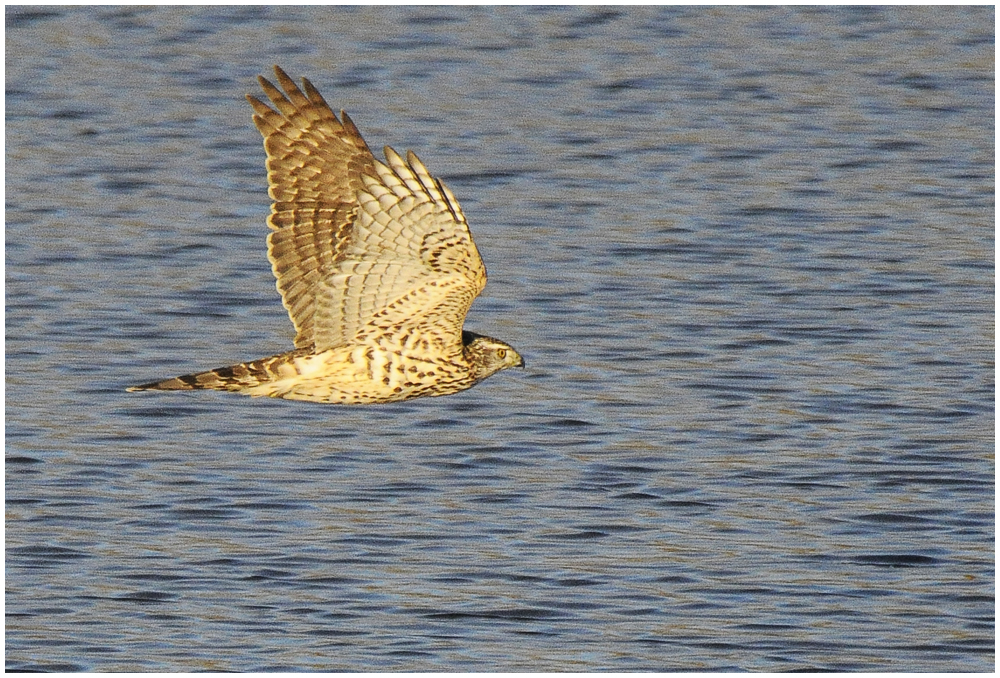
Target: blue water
[(747, 255)]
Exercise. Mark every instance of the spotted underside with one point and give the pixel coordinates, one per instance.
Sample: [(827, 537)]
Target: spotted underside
[(374, 262)]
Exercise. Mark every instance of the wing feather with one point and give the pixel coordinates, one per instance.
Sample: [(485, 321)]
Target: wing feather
[(411, 262), (315, 162), (364, 252)]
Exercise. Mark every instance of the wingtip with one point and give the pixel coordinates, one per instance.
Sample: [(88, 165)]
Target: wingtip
[(279, 73), (391, 156), (414, 162)]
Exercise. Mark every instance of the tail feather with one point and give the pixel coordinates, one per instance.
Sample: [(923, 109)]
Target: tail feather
[(232, 378)]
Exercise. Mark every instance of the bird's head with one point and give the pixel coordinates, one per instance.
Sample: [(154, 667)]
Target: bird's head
[(487, 355)]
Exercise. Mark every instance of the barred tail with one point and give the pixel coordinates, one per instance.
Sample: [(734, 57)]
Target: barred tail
[(233, 378)]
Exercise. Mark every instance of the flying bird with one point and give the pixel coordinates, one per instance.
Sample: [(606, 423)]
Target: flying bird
[(375, 264)]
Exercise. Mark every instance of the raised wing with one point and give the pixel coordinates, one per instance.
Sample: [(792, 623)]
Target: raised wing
[(315, 165), (362, 251), (411, 269)]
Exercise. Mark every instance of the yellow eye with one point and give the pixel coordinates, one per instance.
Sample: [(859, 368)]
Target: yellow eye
[(502, 352)]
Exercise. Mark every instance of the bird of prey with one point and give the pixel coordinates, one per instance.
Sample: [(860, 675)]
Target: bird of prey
[(374, 262)]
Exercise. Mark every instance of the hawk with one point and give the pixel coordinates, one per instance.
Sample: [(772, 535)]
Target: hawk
[(375, 264)]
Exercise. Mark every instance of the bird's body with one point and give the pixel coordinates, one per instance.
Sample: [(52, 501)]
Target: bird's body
[(375, 264), (362, 374)]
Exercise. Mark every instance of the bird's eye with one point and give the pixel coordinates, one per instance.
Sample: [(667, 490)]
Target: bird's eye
[(502, 352)]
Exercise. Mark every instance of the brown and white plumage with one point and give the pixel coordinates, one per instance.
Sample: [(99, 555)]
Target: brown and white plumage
[(374, 262)]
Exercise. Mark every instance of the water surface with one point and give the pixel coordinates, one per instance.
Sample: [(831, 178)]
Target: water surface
[(746, 253)]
